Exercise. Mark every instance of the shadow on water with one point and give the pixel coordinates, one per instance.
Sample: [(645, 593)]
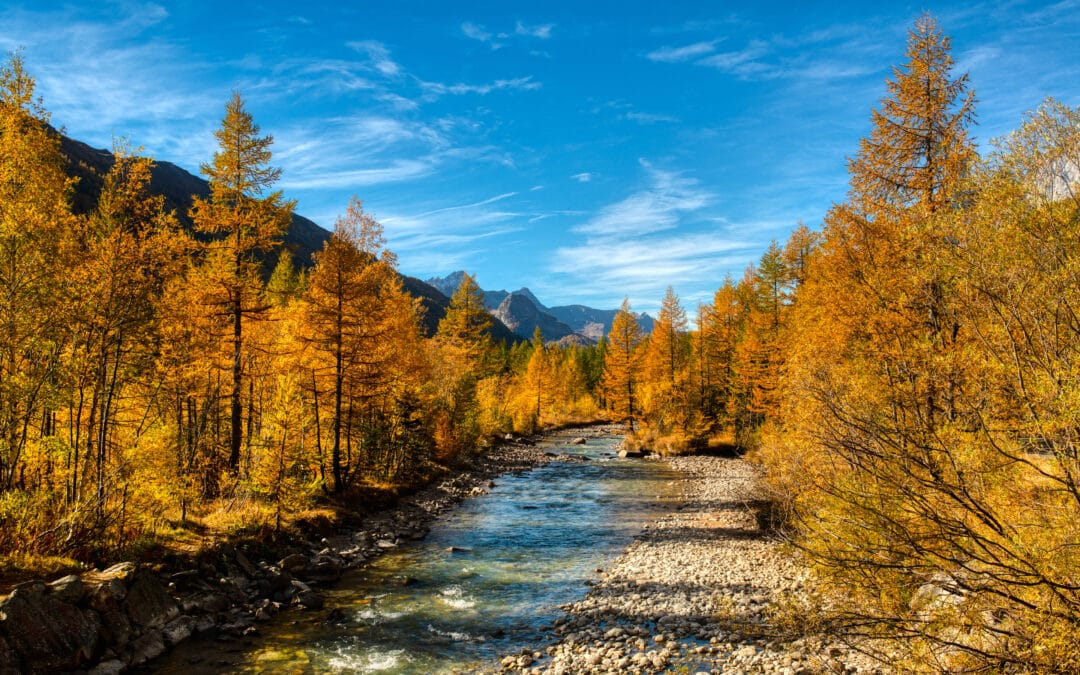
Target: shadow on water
[(483, 583)]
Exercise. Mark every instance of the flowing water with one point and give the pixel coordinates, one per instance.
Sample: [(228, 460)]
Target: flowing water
[(483, 583)]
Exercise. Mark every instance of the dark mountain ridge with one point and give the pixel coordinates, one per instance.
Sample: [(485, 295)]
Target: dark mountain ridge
[(179, 187)]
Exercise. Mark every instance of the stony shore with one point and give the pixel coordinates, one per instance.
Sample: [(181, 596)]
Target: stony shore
[(123, 617), (695, 592)]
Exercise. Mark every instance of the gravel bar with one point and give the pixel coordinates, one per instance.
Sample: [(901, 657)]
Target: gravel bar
[(694, 593)]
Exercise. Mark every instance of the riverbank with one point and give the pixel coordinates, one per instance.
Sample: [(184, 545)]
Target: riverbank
[(125, 616), (697, 591)]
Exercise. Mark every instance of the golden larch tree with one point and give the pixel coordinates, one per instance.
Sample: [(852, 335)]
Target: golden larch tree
[(622, 366), (242, 219), (35, 221)]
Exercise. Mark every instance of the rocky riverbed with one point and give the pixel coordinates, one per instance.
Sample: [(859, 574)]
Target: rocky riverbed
[(122, 618), (696, 592)]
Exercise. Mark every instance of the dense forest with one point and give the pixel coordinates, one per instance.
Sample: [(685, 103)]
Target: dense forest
[(154, 377), (908, 375)]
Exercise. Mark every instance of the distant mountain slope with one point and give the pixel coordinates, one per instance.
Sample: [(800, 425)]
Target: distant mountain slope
[(594, 323), (492, 299), (178, 187), (435, 303), (448, 284), (522, 318), (521, 315), (575, 340)]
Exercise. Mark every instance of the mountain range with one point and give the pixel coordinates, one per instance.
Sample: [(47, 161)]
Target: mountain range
[(522, 312), (516, 314)]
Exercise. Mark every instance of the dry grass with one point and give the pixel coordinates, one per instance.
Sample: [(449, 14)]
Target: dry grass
[(18, 567)]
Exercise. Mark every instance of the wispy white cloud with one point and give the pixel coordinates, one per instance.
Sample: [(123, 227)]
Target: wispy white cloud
[(98, 82), (828, 53), (498, 39), (658, 207), (379, 56), (684, 53), (465, 207), (440, 237), (583, 177), (519, 83), (360, 151), (649, 118), (603, 272), (740, 62), (540, 31), (398, 170), (663, 230), (477, 32)]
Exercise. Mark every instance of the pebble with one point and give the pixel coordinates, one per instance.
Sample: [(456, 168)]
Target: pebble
[(693, 592)]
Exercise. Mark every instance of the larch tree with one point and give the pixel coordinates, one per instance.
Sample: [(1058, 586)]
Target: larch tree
[(622, 366), (35, 218), (242, 219), (720, 327), (129, 249), (362, 329), (760, 351), (465, 353), (467, 325), (286, 281), (539, 380), (666, 366), (882, 400)]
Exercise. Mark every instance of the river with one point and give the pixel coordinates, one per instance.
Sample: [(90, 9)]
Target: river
[(486, 581)]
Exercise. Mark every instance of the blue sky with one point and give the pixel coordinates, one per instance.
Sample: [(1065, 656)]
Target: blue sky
[(588, 150)]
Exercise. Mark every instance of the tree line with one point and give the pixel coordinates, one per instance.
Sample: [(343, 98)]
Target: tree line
[(152, 376), (909, 377)]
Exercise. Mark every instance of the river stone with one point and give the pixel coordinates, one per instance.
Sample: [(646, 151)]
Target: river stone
[(578, 441), (294, 562), (121, 571), (308, 599), (105, 599), (148, 603), (324, 569), (279, 579), (68, 589), (48, 634), (110, 667), (9, 660), (178, 630), (149, 646)]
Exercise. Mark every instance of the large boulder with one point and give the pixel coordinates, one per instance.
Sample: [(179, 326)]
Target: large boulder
[(105, 596), (148, 603), (48, 635)]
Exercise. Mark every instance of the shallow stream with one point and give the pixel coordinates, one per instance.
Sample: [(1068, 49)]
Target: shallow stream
[(486, 580)]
